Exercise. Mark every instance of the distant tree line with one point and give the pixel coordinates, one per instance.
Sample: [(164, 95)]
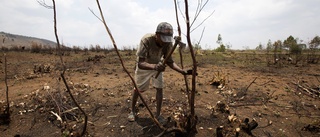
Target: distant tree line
[(40, 48), (293, 48)]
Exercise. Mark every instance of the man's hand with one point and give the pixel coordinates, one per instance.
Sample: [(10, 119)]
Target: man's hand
[(188, 72), (177, 38), (159, 67)]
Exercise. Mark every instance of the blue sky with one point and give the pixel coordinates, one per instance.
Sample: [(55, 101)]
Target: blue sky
[(241, 23)]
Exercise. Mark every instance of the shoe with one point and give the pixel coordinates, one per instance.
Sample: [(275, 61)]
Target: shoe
[(131, 117)]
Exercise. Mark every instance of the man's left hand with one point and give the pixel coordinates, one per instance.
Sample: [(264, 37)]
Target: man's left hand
[(188, 72), (177, 38)]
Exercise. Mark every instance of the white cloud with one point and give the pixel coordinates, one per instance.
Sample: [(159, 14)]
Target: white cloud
[(241, 23)]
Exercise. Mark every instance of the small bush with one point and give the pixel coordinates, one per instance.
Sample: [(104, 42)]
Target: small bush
[(35, 48), (222, 48), (295, 49)]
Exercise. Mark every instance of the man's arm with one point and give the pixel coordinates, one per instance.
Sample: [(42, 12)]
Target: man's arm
[(147, 66), (175, 67), (144, 65)]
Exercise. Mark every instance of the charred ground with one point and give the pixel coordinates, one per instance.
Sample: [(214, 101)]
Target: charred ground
[(273, 95)]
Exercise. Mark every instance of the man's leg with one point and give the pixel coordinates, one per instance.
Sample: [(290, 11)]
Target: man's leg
[(133, 113), (159, 97), (134, 101)]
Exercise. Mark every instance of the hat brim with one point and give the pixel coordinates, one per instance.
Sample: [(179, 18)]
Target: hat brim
[(166, 39)]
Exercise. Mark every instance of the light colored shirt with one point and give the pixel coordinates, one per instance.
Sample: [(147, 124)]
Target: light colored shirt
[(152, 52)]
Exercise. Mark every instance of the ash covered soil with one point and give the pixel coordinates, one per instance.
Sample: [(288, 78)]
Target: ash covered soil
[(276, 96)]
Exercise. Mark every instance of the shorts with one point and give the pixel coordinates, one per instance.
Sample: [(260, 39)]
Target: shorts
[(143, 77)]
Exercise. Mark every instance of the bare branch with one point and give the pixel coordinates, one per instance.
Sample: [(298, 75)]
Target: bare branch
[(76, 103), (43, 3), (95, 15), (177, 17), (124, 68), (202, 22), (64, 69), (198, 11), (317, 79), (201, 35), (181, 13), (170, 130), (251, 84), (6, 82), (56, 33), (58, 117), (180, 52), (192, 96)]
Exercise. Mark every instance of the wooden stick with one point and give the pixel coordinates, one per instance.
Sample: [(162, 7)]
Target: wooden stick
[(194, 62), (58, 117), (124, 68), (180, 52), (304, 89), (169, 55), (64, 69), (251, 83), (313, 90), (6, 82)]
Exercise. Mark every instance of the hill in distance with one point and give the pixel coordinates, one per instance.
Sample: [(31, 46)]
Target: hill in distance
[(13, 40)]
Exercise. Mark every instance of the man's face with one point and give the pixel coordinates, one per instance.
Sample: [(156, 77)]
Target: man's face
[(159, 41)]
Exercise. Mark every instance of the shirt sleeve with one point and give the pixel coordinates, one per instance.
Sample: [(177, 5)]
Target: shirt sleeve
[(142, 51)]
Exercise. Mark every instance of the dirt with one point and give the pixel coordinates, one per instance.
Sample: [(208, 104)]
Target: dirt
[(267, 94)]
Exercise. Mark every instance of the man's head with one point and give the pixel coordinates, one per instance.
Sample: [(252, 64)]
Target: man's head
[(165, 31)]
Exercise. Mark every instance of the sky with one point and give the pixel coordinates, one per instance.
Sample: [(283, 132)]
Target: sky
[(242, 24)]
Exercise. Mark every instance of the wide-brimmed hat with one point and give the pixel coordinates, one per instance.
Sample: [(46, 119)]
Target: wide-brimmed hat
[(166, 32)]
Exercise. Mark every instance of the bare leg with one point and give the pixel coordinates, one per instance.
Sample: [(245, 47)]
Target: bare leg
[(159, 97), (132, 115), (134, 101)]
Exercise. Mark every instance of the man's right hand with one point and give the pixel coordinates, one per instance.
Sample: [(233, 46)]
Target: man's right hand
[(159, 67)]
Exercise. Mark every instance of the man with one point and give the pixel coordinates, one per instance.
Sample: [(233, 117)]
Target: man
[(152, 48)]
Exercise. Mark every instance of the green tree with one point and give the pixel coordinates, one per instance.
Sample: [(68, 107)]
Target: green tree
[(313, 45), (228, 45), (219, 40), (289, 42), (294, 48), (76, 49), (269, 46), (315, 42), (259, 47), (277, 48), (222, 48), (98, 48)]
